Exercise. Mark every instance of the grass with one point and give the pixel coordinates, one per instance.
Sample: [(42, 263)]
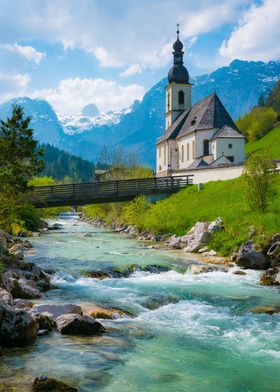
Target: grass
[(270, 142), (225, 199)]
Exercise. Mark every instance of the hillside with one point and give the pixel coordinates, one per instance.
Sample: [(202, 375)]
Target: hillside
[(60, 164), (270, 142), (239, 85)]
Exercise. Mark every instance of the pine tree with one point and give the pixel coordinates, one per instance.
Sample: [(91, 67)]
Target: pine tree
[(19, 152)]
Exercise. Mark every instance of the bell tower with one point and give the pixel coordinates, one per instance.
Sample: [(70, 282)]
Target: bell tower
[(179, 90)]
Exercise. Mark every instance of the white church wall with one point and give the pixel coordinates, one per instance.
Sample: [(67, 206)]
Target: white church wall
[(230, 147), (215, 174), (200, 136), (185, 149)]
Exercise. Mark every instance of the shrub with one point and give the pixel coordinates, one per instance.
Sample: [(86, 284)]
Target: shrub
[(257, 123), (259, 178)]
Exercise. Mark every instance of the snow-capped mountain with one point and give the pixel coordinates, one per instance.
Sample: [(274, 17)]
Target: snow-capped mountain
[(239, 86), (78, 123)]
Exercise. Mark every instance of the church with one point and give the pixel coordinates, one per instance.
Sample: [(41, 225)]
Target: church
[(196, 136)]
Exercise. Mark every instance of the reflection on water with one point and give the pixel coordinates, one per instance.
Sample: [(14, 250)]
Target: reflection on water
[(190, 332)]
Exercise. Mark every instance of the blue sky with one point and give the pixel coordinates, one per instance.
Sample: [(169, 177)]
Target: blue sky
[(109, 52)]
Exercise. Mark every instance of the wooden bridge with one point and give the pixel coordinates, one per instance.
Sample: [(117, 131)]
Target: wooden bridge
[(105, 191)]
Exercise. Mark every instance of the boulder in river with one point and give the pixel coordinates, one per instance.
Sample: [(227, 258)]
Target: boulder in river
[(266, 309), (17, 327), (57, 310), (46, 384), (271, 277), (158, 300), (103, 313), (248, 258), (24, 290), (6, 296), (98, 275), (74, 324), (200, 269), (44, 320)]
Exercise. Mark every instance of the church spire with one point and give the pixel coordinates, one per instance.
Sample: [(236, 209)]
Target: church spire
[(178, 73)]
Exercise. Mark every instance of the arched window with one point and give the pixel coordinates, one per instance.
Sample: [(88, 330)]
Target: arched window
[(193, 149), (182, 154), (181, 97), (188, 152), (164, 155), (206, 147)]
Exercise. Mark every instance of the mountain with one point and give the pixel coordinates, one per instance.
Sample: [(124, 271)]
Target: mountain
[(59, 164), (239, 86)]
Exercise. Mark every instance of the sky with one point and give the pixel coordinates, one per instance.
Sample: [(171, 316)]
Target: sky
[(110, 52)]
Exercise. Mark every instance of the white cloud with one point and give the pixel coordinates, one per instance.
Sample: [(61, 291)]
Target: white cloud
[(13, 85), (105, 59), (73, 94), (257, 35), (28, 52), (118, 33), (132, 70)]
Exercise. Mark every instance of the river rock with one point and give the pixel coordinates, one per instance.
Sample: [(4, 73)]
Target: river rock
[(57, 310), (74, 324), (200, 269), (17, 327), (247, 257), (196, 238), (44, 320), (3, 243), (6, 296), (23, 290), (158, 300), (103, 313), (32, 272), (156, 269), (98, 275), (23, 304), (175, 242), (46, 384), (266, 309), (271, 277), (55, 226), (239, 272), (216, 225)]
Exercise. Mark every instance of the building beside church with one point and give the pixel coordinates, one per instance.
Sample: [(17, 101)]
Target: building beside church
[(196, 136)]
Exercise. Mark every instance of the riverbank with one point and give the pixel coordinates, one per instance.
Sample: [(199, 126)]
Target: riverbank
[(177, 323)]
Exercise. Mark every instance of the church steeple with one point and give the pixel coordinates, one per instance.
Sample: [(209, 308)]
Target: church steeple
[(178, 91), (178, 73)]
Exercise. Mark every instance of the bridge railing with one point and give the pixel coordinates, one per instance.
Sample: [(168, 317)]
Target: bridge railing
[(106, 191)]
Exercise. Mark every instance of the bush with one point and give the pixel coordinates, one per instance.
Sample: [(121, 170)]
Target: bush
[(257, 123), (259, 179), (133, 212)]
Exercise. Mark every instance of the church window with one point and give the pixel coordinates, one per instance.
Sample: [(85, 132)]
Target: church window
[(164, 155), (188, 152), (159, 152), (206, 147), (230, 145), (181, 97), (182, 154), (193, 148)]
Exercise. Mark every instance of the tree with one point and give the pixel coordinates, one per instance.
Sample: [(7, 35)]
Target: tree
[(19, 152), (273, 99), (261, 101), (259, 179), (257, 123)]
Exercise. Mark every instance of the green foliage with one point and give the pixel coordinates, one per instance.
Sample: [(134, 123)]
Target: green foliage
[(226, 242), (42, 181), (270, 142), (1, 266), (257, 123), (273, 99), (259, 180), (60, 164), (19, 153), (134, 211)]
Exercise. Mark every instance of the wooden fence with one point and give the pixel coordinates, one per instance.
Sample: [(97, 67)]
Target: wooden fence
[(105, 191)]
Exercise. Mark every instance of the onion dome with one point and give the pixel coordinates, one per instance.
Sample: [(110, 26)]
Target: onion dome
[(178, 73)]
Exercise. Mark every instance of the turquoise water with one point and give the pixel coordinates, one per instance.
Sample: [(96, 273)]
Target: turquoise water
[(207, 341)]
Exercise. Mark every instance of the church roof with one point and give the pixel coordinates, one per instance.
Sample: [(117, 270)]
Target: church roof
[(208, 113), (227, 132)]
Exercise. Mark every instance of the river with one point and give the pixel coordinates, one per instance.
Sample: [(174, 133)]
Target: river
[(203, 340)]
